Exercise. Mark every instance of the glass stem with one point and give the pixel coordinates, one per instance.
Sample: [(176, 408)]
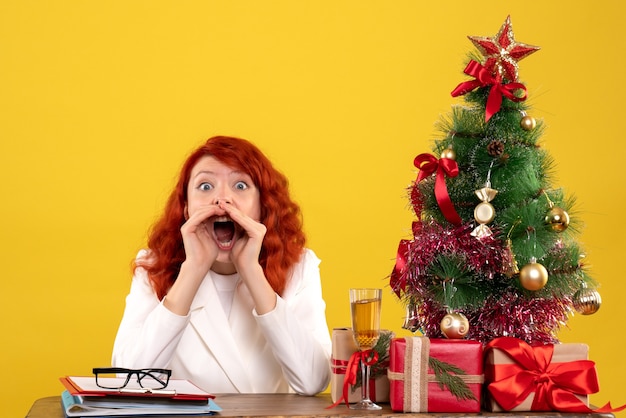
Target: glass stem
[(365, 382)]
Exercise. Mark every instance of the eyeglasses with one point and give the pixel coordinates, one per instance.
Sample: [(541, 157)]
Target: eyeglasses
[(111, 377)]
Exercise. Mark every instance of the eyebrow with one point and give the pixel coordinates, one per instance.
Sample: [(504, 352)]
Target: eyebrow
[(203, 172), (232, 173)]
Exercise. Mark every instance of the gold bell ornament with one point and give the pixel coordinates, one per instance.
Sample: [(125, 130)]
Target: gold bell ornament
[(510, 268), (411, 320)]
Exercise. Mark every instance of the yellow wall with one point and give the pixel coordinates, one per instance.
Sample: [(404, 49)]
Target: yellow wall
[(101, 101)]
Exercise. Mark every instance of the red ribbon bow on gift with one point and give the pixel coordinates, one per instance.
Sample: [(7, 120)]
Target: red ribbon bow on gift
[(428, 164), (369, 358), (484, 78), (555, 384)]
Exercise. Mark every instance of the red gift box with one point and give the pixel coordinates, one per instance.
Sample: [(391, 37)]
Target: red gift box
[(413, 384), (552, 377)]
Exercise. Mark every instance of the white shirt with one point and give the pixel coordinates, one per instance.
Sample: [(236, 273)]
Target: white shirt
[(285, 350), (225, 286)]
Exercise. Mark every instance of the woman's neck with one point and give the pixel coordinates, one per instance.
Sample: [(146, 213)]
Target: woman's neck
[(223, 268)]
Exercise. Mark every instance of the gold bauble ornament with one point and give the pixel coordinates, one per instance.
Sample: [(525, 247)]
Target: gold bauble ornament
[(448, 153), (454, 325), (528, 123), (533, 276), (557, 218), (587, 301)]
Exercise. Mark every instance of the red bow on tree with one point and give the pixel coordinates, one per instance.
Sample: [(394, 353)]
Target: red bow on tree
[(482, 78), (397, 280), (428, 164)]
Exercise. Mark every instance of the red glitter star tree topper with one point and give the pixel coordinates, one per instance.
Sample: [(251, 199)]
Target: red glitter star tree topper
[(502, 52)]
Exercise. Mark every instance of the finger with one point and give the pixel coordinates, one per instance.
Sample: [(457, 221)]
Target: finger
[(252, 227), (203, 214)]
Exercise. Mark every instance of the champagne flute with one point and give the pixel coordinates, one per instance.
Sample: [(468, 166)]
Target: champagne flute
[(365, 307)]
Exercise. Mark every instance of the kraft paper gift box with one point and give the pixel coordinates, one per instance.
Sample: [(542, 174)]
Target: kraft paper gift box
[(343, 346), (520, 377), (414, 386)]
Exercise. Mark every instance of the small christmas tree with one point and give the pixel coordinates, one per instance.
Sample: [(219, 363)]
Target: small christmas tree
[(493, 251)]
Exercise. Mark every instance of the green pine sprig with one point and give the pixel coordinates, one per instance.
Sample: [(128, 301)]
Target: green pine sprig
[(447, 376), (382, 364)]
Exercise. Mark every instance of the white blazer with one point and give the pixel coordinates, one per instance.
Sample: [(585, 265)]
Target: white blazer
[(285, 350)]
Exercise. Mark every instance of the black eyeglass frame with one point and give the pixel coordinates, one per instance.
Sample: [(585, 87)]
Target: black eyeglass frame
[(154, 374)]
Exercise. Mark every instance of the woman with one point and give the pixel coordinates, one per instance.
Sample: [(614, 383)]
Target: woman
[(227, 295)]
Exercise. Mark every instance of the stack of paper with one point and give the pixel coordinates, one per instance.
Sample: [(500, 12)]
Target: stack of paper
[(83, 398)]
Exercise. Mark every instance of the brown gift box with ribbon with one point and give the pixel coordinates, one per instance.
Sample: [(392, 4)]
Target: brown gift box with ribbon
[(343, 347), (520, 377), (415, 386)]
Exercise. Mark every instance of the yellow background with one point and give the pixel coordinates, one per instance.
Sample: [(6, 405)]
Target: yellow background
[(100, 101)]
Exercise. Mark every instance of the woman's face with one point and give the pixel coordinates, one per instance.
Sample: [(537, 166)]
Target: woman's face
[(212, 181)]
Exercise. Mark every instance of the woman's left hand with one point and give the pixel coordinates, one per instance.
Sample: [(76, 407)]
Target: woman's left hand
[(250, 235), (245, 256)]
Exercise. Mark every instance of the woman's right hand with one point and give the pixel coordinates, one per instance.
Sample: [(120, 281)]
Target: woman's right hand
[(200, 247), (200, 252)]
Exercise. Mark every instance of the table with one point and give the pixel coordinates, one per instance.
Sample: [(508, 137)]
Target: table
[(296, 406)]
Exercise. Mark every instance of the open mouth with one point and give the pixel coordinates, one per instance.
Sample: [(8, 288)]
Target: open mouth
[(224, 232)]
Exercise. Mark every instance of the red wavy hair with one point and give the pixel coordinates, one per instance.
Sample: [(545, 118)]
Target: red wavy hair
[(284, 240)]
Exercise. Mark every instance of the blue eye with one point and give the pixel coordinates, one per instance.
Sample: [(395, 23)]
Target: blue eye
[(240, 185), (205, 186)]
